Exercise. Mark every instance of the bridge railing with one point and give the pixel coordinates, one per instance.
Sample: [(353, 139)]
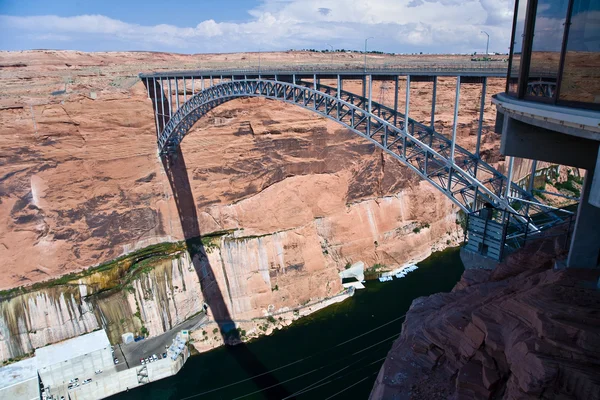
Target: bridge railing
[(396, 69)]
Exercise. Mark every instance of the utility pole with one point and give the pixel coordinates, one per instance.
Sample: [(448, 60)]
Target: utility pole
[(366, 40), (331, 53)]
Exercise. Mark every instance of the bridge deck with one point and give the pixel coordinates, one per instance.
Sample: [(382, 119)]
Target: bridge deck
[(377, 73)]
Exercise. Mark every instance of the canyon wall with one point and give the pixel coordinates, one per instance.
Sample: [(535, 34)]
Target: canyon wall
[(287, 198), (522, 331)]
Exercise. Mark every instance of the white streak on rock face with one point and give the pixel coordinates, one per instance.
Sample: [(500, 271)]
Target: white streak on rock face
[(371, 219), (34, 194), (38, 190), (82, 289), (263, 262)]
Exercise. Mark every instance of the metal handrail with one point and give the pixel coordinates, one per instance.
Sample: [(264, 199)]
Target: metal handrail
[(395, 69)]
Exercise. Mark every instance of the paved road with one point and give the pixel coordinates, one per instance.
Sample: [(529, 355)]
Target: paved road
[(145, 348), (118, 354)]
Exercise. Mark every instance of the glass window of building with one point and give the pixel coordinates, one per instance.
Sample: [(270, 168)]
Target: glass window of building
[(581, 72), (517, 47), (546, 49)]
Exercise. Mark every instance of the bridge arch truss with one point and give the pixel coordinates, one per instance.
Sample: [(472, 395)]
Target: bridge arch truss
[(462, 176)]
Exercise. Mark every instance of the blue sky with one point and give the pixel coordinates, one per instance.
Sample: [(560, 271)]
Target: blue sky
[(197, 26), (185, 13)]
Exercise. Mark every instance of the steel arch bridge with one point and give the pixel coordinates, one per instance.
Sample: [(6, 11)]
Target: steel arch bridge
[(462, 176)]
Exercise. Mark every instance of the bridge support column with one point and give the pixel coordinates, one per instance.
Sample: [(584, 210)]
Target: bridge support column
[(455, 121), (192, 86), (511, 164), (585, 242), (370, 93), (184, 90), (364, 86), (406, 110), (156, 107), (170, 100), (481, 109), (177, 93), (202, 83), (532, 177), (369, 104), (396, 100), (480, 125), (433, 100), (162, 102)]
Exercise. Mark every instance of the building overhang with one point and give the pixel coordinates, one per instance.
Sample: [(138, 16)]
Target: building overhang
[(549, 133), (584, 124)]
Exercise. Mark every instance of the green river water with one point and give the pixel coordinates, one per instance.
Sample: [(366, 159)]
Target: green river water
[(313, 350)]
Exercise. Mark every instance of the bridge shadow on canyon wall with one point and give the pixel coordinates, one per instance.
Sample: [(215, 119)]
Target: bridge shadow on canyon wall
[(176, 170)]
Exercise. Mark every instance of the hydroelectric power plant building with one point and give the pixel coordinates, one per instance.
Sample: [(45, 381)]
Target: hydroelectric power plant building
[(83, 368), (79, 357)]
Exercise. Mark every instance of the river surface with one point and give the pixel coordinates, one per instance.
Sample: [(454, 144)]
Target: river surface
[(332, 349)]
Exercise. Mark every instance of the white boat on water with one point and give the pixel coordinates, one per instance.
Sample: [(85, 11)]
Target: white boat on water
[(405, 271), (386, 278)]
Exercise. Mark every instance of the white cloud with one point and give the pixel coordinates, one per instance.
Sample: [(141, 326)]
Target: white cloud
[(397, 25)]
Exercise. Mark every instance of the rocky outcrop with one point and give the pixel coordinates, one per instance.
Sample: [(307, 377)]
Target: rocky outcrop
[(522, 331)]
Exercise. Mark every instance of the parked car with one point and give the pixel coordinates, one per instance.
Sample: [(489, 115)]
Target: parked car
[(116, 360), (142, 361), (164, 355), (99, 371), (88, 380), (154, 357)]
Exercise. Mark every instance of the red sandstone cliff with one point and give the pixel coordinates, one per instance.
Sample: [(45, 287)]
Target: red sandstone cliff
[(298, 196), (523, 331), (81, 183)]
